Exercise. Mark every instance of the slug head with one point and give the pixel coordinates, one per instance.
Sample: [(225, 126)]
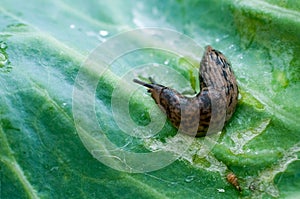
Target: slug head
[(153, 88)]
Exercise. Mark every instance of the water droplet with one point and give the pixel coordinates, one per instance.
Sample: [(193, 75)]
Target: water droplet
[(72, 26), (221, 190), (189, 179), (166, 62), (3, 60), (231, 46), (103, 33), (3, 45), (217, 40), (2, 57), (64, 104)]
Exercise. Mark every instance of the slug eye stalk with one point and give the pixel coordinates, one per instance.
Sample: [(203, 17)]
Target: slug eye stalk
[(143, 83)]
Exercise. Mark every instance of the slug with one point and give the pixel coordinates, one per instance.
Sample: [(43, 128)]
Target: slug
[(232, 179), (219, 90)]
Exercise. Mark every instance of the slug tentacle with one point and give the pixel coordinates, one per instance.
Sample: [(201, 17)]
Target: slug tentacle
[(143, 83), (193, 115)]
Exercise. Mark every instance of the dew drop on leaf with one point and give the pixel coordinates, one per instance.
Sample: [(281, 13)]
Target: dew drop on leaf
[(3, 60), (3, 45), (221, 190), (103, 33), (166, 62)]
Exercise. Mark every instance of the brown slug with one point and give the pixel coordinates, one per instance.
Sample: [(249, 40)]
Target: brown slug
[(217, 99), (232, 179)]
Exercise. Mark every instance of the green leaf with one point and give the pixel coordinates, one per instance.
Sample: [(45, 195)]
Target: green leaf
[(42, 47)]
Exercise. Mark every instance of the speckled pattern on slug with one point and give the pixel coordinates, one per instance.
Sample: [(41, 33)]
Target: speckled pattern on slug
[(219, 91)]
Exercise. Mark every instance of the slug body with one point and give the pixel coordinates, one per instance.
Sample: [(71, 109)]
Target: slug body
[(208, 110), (232, 179)]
